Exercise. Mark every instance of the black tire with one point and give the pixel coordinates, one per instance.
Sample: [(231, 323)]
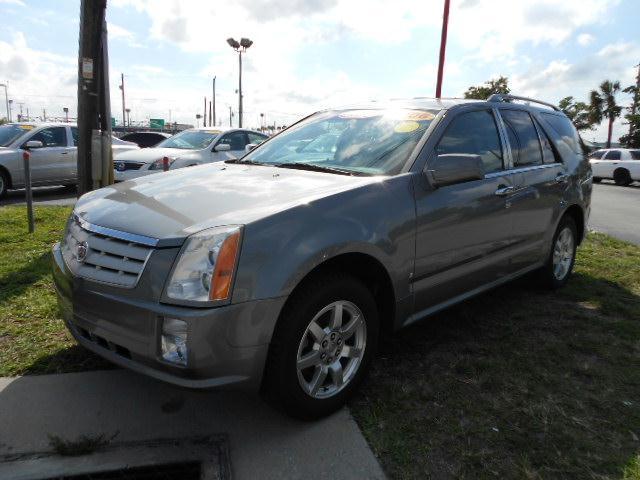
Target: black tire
[(4, 183), (281, 385), (546, 275), (622, 177), (597, 179)]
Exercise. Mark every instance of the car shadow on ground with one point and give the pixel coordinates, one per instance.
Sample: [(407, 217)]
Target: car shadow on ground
[(518, 382)]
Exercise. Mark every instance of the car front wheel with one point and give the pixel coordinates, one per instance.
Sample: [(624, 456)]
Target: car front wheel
[(322, 346)]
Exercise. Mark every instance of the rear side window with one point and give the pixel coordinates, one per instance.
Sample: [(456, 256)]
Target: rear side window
[(74, 134), (635, 154), (256, 138), (597, 154), (565, 129), (613, 155), (523, 138), (474, 133)]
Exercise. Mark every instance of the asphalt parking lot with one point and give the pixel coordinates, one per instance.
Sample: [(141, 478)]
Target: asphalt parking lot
[(616, 210)]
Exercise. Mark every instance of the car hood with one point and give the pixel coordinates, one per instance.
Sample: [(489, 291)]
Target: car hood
[(170, 206), (149, 155)]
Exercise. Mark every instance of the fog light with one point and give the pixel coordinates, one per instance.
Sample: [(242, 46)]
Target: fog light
[(174, 341)]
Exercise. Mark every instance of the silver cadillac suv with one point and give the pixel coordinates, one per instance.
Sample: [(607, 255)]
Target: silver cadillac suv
[(279, 271)]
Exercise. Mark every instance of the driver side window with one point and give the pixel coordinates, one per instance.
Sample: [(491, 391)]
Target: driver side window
[(235, 140), (474, 133), (52, 137)]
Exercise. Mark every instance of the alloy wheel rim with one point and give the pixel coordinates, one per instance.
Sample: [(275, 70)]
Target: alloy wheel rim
[(563, 254), (331, 349)]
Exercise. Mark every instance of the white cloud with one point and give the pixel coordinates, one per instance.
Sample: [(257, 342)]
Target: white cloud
[(20, 3), (585, 39), (116, 31)]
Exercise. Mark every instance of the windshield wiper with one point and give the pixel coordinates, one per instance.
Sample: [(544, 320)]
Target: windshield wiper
[(245, 162), (319, 168)]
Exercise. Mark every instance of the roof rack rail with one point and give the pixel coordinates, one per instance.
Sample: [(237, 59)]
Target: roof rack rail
[(503, 97)]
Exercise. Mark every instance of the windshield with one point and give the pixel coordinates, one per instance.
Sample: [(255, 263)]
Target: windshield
[(190, 140), (11, 132), (370, 142)]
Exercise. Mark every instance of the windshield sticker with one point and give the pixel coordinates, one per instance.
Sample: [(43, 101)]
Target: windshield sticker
[(26, 127), (212, 131), (406, 127), (356, 114), (419, 115)]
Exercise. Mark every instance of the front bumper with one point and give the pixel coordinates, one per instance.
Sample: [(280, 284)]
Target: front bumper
[(227, 346)]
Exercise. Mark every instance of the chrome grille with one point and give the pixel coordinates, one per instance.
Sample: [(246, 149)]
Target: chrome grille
[(103, 258)]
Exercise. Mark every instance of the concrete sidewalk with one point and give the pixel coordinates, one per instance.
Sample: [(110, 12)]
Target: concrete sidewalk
[(263, 443)]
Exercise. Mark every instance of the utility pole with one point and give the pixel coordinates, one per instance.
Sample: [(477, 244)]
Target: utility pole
[(443, 48), (230, 115), (66, 114), (204, 114), (6, 99), (210, 120), (93, 98), (213, 98), (240, 47), (10, 113), (123, 105), (20, 117), (44, 115)]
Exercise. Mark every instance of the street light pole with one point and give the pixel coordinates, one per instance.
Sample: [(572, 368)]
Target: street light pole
[(6, 99), (213, 99), (443, 48), (240, 47)]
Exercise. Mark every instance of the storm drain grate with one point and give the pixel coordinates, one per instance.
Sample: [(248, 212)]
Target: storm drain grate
[(174, 471), (192, 458)]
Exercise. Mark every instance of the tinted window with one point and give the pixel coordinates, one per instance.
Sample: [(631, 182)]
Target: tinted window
[(635, 154), (523, 138), (74, 134), (597, 154), (549, 154), (256, 138), (236, 140), (474, 133), (52, 137), (613, 155), (565, 129)]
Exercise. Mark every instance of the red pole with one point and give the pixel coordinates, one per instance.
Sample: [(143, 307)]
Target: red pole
[(165, 164), (443, 48)]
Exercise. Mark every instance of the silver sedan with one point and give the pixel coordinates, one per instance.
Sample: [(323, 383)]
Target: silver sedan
[(53, 148)]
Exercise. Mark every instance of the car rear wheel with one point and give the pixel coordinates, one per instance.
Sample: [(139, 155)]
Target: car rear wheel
[(622, 177), (559, 265), (322, 346)]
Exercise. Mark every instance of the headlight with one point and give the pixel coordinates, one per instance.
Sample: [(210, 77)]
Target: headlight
[(205, 267), (159, 164)]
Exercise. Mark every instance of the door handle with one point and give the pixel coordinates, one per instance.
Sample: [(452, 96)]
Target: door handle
[(64, 153), (562, 178), (504, 191)]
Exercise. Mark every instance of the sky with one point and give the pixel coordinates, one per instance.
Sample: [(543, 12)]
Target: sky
[(314, 54)]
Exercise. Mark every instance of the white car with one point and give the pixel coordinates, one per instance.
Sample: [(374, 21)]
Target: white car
[(186, 149), (620, 164), (53, 149)]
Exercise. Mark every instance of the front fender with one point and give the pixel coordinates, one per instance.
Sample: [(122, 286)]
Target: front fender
[(376, 220)]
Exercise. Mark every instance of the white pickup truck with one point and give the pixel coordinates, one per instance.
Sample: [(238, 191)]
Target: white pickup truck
[(620, 164)]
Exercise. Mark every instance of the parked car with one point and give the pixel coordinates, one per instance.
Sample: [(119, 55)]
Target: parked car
[(53, 149), (186, 149), (145, 139), (281, 271), (620, 164)]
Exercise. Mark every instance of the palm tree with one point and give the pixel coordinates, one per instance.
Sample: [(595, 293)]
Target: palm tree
[(603, 105)]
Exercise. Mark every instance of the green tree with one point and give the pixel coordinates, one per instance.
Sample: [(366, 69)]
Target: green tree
[(578, 112), (482, 92), (632, 139), (603, 106)]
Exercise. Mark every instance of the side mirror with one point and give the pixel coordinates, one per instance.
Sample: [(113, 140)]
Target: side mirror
[(33, 144), (222, 147), (250, 146), (452, 168)]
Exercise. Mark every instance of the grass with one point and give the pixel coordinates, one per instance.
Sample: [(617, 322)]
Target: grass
[(518, 383), (32, 336)]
